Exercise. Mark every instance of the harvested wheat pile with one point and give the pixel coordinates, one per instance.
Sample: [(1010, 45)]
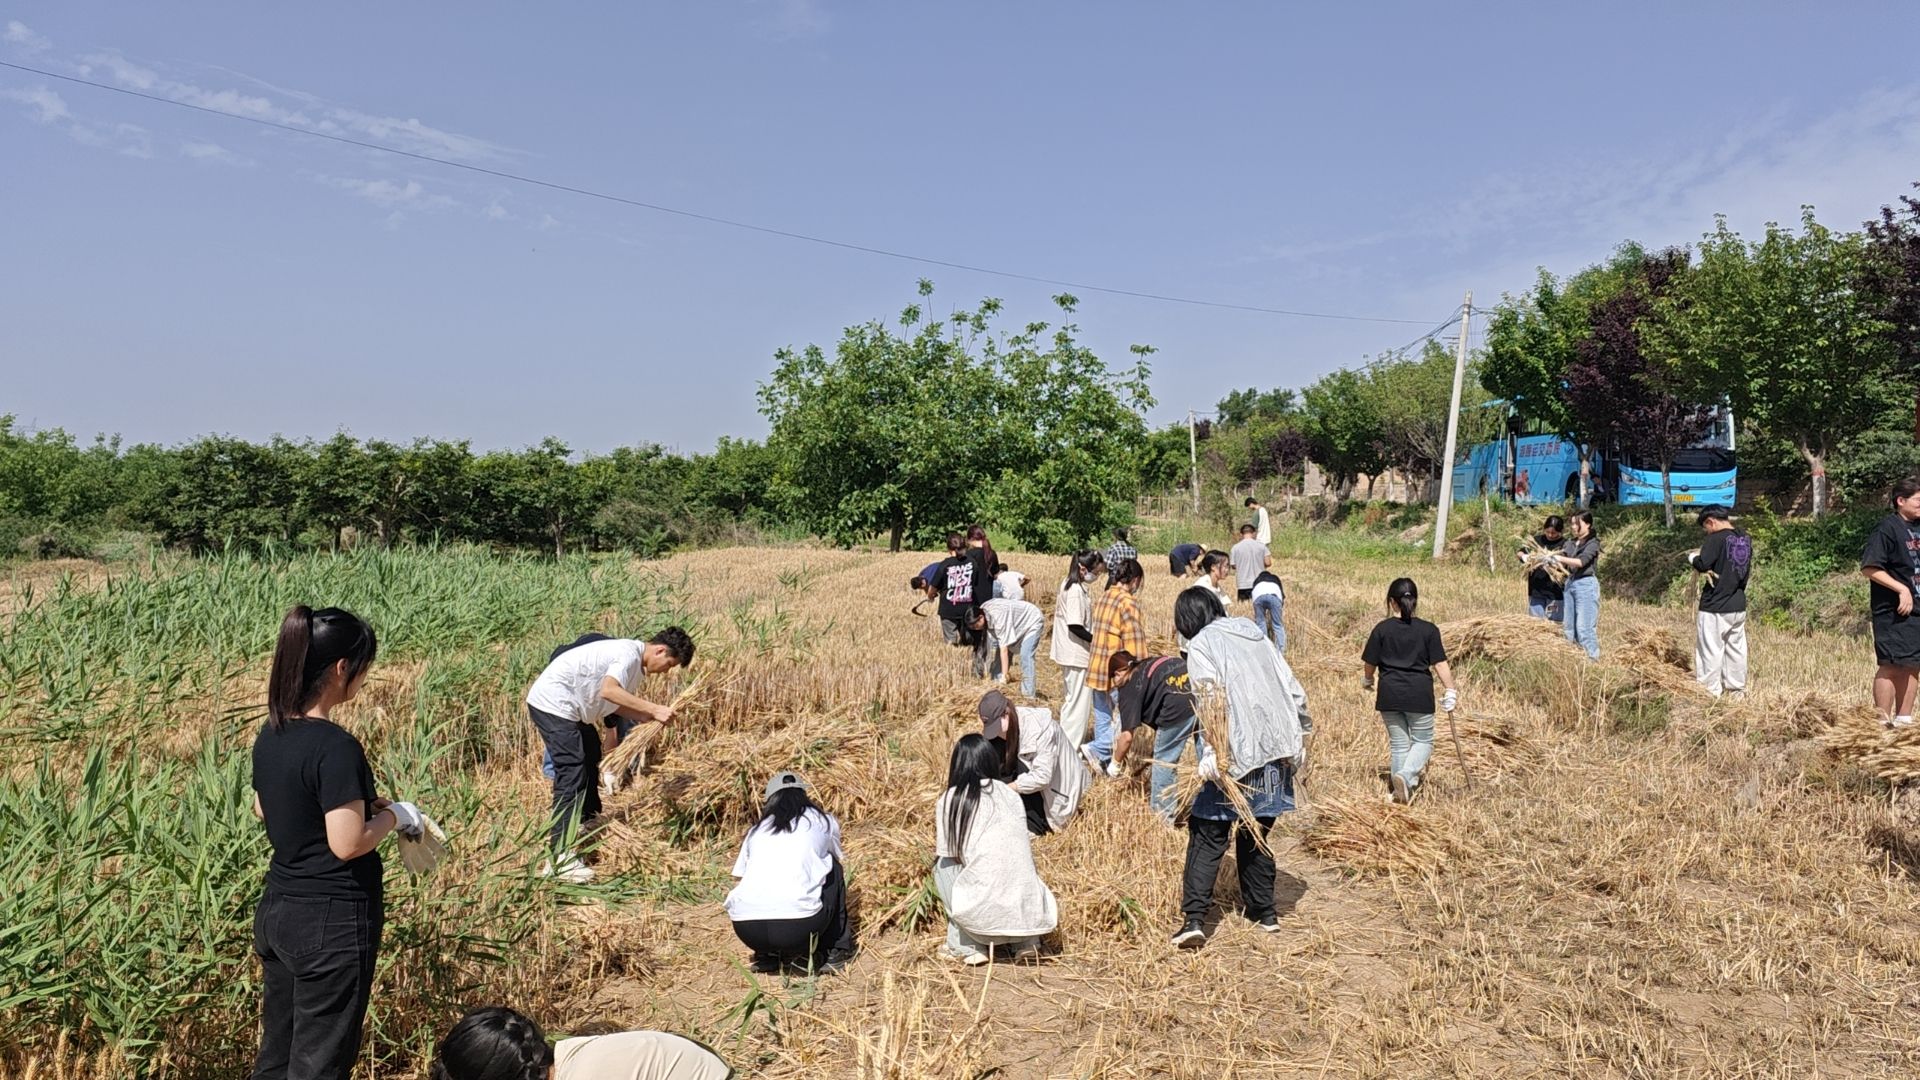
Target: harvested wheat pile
[(1503, 637), (1492, 744), (1375, 837)]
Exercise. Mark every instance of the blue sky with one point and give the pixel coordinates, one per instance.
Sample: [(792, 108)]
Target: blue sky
[(165, 274)]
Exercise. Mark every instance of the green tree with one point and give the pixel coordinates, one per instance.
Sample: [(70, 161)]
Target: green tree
[(1411, 397), (1343, 427), (228, 491), (1782, 327)]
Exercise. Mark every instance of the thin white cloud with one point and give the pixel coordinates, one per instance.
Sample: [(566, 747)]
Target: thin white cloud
[(212, 152), (22, 37), (47, 107), (391, 195)]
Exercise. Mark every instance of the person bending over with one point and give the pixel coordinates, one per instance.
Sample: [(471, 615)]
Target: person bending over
[(1036, 759), (581, 690), (790, 906)]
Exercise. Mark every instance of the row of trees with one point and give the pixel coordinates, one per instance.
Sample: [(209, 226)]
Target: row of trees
[(57, 496)]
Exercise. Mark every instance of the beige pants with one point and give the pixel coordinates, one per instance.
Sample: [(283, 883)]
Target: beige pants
[(1720, 652), (1076, 704)]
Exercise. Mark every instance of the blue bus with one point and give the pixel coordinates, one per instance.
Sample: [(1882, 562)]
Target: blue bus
[(1529, 469)]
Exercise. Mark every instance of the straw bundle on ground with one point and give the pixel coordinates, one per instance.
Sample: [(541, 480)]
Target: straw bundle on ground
[(1503, 637), (1492, 744), (891, 877), (1854, 735), (1374, 837), (1898, 760)]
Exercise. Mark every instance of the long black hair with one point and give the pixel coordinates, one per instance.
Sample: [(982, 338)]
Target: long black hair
[(1083, 566), (1194, 608), (988, 557), (1585, 517), (787, 806), (494, 1043), (1404, 595), (1213, 560), (972, 764), (1127, 573), (311, 643)]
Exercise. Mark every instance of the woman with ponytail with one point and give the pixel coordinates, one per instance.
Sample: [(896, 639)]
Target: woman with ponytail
[(317, 929), (1407, 654), (497, 1043)]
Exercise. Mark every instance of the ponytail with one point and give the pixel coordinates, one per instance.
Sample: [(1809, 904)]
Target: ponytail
[(310, 644), (1404, 595)]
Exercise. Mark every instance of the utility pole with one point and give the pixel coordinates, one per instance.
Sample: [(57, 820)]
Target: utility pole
[(1193, 464), (1453, 431)]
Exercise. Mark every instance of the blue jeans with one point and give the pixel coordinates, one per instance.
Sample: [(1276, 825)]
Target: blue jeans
[(1548, 610), (1102, 742), (546, 760), (1410, 744), (1168, 744), (1581, 609), (1266, 615), (1025, 647)]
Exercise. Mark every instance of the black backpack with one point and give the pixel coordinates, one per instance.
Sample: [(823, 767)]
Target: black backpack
[(584, 639)]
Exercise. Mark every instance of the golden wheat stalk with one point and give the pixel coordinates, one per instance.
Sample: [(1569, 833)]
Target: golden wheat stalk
[(631, 752)]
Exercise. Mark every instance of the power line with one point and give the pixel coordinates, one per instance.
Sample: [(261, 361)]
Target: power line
[(695, 215)]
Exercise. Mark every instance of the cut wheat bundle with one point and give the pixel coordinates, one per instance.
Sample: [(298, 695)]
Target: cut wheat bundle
[(1374, 837), (631, 753), (1538, 556), (1503, 637)]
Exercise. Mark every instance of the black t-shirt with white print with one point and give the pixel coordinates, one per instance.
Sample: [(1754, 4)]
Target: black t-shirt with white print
[(1894, 547)]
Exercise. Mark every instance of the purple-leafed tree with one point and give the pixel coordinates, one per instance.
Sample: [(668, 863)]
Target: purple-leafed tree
[(1620, 392), (1893, 278)]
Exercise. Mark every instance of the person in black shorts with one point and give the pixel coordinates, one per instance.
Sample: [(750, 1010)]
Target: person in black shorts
[(1891, 562)]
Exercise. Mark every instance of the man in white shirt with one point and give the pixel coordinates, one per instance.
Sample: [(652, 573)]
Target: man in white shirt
[(1262, 525), (581, 693), (1249, 558), (1013, 624)]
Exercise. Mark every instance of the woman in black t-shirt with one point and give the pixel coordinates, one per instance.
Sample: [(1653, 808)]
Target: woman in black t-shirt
[(1891, 563), (317, 929), (1407, 654)]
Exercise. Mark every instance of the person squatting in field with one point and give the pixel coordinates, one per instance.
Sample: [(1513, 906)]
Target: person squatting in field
[(1072, 641), (318, 925), (983, 861), (1403, 654), (1891, 563), (1036, 760), (1117, 626), (1723, 560), (574, 703), (1153, 692), (790, 905), (1267, 725), (497, 1043)]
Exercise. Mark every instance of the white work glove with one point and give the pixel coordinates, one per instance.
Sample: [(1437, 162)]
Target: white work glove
[(408, 818), (1209, 766), (1114, 769), (1366, 682), (420, 854), (1690, 556), (1449, 700)]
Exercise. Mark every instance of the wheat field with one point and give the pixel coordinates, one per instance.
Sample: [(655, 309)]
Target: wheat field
[(1607, 874)]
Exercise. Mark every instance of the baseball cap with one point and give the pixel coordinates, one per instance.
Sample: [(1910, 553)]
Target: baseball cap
[(994, 707), (781, 781)]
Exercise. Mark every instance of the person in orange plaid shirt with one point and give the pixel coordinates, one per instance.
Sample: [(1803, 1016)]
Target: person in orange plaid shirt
[(1117, 625)]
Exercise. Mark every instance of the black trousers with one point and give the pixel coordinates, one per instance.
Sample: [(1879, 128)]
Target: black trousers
[(1036, 804), (1206, 846), (804, 939), (316, 959), (575, 748)]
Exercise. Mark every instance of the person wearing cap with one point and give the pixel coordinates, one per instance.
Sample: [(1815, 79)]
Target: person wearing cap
[(983, 861), (790, 906), (1153, 691), (1036, 760), (1720, 645)]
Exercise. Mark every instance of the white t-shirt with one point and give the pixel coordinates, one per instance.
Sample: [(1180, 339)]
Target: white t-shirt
[(636, 1055), (1073, 607), (570, 686), (1262, 525), (1011, 587), (1011, 621), (1266, 588), (781, 873)]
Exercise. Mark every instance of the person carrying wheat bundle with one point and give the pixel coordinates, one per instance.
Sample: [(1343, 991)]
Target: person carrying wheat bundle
[(574, 704), (1405, 654), (1250, 742), (1546, 575)]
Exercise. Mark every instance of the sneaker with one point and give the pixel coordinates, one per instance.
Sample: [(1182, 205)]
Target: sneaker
[(1901, 721), (765, 964), (836, 960), (568, 868), (1093, 760), (1024, 953), (976, 959), (1401, 792), (1192, 935), (1268, 923)]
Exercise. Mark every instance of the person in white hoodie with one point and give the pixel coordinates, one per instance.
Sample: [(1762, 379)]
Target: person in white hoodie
[(1037, 760), (983, 861), (1266, 727)]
